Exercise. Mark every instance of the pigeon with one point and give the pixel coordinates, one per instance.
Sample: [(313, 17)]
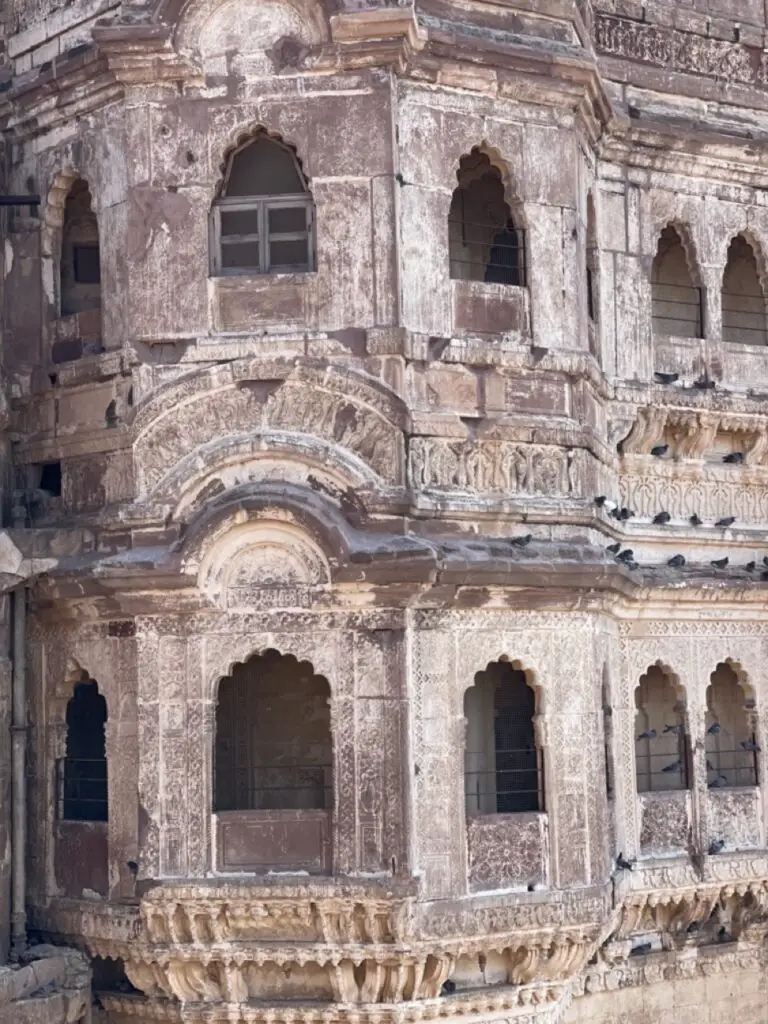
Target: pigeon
[(659, 450), (695, 521), (449, 987), (716, 846), (750, 745), (734, 459), (626, 513), (622, 864), (726, 522), (666, 378), (750, 704), (719, 782), (750, 566), (676, 562), (676, 729), (600, 500), (710, 766), (764, 575), (614, 548), (132, 866), (521, 542), (765, 560), (649, 734), (719, 563), (705, 383), (714, 729), (632, 566), (674, 767), (615, 513), (692, 927), (662, 519), (626, 556)]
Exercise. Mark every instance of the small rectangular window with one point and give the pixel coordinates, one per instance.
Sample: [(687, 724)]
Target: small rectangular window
[(262, 236), (87, 266), (50, 478)]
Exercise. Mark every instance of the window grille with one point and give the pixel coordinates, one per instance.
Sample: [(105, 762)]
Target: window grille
[(504, 768), (494, 254), (81, 776)]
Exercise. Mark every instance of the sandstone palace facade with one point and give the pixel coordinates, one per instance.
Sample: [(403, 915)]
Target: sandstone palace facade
[(384, 474)]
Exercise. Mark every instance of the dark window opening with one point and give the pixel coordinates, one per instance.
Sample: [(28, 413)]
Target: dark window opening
[(503, 767), (50, 478), (80, 259), (83, 772), (87, 266), (608, 740), (273, 737), (485, 242), (263, 220)]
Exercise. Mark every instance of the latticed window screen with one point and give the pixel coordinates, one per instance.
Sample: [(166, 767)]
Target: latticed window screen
[(273, 737)]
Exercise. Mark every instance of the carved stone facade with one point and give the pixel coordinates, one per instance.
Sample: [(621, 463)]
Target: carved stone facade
[(389, 607)]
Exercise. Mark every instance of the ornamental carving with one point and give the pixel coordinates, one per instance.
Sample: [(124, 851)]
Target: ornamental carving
[(493, 467), (665, 47)]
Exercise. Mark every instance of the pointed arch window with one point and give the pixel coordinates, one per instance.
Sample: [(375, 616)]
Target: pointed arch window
[(730, 741), (743, 300), (662, 750), (678, 302), (263, 219), (83, 771), (80, 270), (503, 767), (486, 243)]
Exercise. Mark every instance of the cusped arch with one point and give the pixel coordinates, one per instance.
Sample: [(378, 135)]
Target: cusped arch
[(517, 665), (242, 138), (686, 236)]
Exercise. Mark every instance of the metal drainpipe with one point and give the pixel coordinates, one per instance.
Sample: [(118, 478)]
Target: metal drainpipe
[(19, 782)]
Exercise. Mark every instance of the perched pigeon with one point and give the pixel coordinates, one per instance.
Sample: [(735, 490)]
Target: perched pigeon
[(666, 378), (632, 566), (714, 729), (622, 864), (750, 566), (734, 459), (695, 521), (677, 561), (677, 729), (659, 450), (674, 767), (662, 519), (750, 745), (710, 766), (649, 734), (726, 522), (641, 950), (765, 560), (614, 548), (521, 542), (719, 563), (449, 987), (705, 383), (716, 846), (626, 556)]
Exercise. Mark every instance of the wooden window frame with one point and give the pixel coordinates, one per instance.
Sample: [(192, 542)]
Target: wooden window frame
[(262, 205)]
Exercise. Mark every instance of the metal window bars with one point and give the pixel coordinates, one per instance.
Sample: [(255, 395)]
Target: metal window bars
[(516, 784), (678, 300), (494, 253), (81, 789), (664, 772)]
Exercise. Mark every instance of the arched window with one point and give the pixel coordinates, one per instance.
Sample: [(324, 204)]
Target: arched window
[(262, 220), (80, 261), (503, 770), (677, 300), (744, 309), (83, 774), (661, 746), (273, 737), (730, 745), (485, 241)]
